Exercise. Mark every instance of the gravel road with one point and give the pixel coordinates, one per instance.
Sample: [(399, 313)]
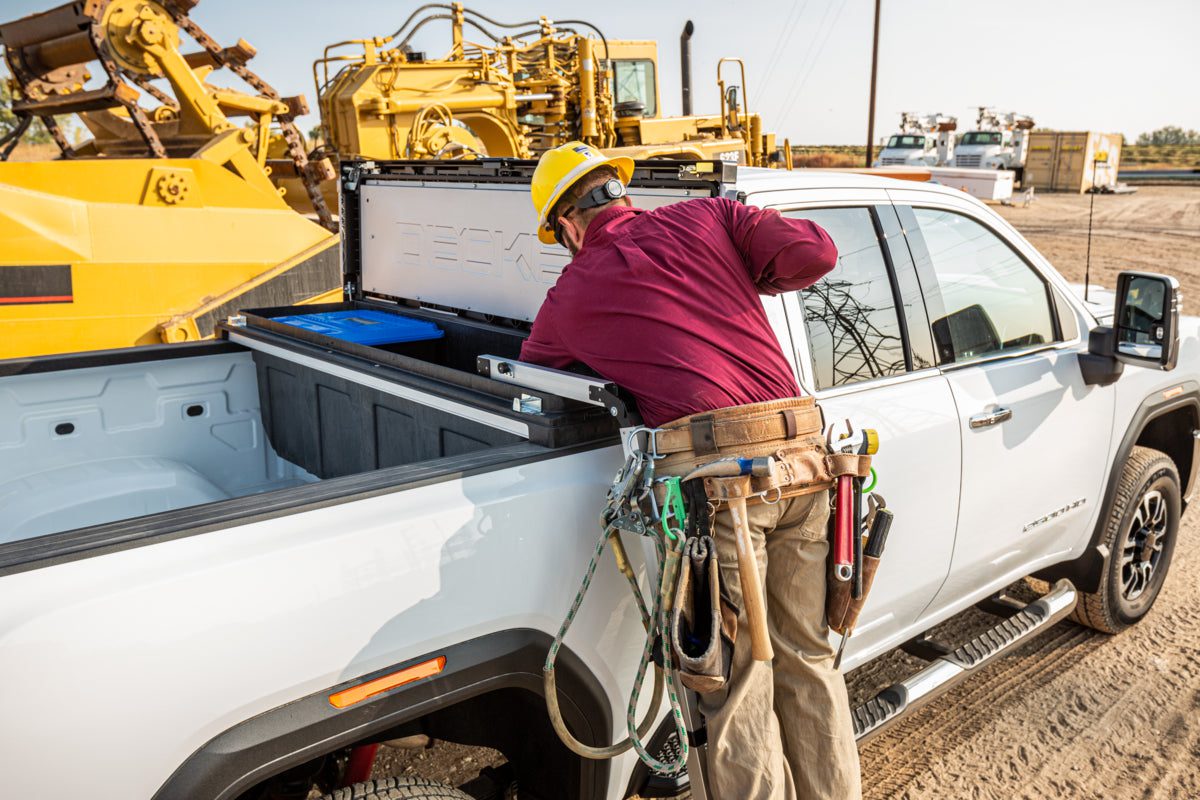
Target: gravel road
[(1074, 713)]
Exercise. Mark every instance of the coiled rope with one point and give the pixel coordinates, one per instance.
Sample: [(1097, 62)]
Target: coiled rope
[(656, 622)]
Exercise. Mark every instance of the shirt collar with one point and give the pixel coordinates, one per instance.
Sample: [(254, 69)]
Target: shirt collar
[(607, 222)]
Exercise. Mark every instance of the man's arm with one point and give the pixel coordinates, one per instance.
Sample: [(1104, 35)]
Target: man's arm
[(781, 254), (544, 347)]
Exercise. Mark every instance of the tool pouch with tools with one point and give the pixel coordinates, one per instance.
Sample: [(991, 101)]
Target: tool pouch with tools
[(778, 449), (789, 431), (841, 606), (703, 622)]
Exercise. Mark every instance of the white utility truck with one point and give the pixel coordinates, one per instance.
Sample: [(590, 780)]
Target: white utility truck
[(224, 565), (924, 140), (1000, 141)]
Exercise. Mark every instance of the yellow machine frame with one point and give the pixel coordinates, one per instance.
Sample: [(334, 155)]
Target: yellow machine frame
[(536, 86), (167, 217)]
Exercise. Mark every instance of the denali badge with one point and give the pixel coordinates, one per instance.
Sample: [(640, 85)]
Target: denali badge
[(1058, 513)]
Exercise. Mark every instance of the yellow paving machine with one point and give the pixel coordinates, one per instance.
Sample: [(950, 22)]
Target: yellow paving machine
[(165, 220)]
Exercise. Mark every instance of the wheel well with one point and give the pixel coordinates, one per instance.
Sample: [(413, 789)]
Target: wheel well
[(1172, 434), (1169, 431), (489, 694), (513, 721)]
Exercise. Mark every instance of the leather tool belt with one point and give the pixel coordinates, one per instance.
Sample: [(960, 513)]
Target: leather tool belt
[(788, 430)]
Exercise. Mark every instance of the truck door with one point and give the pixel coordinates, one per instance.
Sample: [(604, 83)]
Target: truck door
[(1034, 436), (864, 348)]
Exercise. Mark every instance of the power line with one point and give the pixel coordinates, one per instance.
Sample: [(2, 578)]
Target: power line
[(785, 35), (795, 95)]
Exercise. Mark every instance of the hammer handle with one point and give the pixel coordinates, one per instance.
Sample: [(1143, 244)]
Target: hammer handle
[(751, 581)]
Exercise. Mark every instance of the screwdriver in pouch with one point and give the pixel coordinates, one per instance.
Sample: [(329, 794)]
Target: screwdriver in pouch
[(881, 523), (856, 588)]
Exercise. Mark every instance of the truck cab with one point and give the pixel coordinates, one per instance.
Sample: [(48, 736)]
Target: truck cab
[(908, 150), (985, 150)]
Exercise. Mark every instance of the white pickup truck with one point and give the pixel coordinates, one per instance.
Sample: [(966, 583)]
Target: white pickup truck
[(224, 565)]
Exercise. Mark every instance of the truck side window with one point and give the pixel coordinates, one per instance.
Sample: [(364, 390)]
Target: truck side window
[(991, 301), (854, 333)]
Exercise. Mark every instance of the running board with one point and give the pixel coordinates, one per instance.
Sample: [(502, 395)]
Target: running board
[(946, 670)]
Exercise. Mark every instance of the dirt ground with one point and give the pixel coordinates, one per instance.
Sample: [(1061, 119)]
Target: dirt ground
[(1156, 229), (1075, 713)]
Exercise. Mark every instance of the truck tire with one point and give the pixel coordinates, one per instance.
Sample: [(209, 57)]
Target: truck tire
[(1140, 535), (398, 789)]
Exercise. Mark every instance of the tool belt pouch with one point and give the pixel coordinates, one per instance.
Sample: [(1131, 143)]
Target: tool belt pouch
[(703, 623), (840, 607), (852, 464), (788, 430)]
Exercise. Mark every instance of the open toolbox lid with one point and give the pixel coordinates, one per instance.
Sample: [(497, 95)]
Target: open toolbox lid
[(461, 235)]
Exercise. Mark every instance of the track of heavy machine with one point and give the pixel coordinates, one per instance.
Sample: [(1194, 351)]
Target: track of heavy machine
[(529, 87), (166, 219)]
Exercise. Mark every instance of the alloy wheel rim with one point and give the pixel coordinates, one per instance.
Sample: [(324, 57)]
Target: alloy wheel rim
[(1142, 549)]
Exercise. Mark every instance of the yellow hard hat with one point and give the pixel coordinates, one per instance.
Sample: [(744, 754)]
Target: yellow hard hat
[(561, 167)]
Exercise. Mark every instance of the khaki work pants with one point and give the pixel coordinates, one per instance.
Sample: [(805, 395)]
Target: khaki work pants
[(782, 731)]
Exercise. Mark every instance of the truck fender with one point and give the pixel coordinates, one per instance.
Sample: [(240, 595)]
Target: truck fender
[(308, 727), (1087, 570)]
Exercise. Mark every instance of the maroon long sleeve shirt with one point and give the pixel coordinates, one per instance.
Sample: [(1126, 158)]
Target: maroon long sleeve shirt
[(665, 303)]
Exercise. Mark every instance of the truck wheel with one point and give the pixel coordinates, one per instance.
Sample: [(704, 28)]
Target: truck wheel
[(1140, 535), (398, 789)]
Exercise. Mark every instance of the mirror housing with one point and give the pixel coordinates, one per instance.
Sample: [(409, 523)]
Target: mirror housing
[(1146, 322), (1145, 330)]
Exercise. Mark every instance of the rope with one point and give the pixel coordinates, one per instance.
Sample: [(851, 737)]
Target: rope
[(656, 622)]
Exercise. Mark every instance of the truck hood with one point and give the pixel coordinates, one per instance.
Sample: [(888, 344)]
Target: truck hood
[(1100, 301)]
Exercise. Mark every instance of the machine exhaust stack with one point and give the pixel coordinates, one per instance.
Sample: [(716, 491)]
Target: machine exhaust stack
[(685, 66)]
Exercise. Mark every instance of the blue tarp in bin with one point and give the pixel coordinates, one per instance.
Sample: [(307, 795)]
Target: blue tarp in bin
[(366, 326)]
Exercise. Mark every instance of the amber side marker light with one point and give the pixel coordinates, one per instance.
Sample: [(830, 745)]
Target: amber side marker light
[(356, 694), (1172, 392)]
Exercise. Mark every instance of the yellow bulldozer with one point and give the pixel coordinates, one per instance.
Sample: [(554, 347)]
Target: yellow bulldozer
[(528, 87), (166, 219)]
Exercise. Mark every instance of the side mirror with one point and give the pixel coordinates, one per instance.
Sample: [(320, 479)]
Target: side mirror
[(1146, 322), (1145, 329)]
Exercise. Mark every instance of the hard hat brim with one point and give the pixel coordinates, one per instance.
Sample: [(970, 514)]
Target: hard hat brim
[(624, 169)]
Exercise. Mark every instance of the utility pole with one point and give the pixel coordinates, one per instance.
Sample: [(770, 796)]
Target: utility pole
[(874, 68)]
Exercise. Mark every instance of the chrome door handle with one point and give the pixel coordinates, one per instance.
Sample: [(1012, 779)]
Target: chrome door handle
[(990, 418)]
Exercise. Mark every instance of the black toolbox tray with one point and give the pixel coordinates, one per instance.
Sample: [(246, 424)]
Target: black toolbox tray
[(447, 369)]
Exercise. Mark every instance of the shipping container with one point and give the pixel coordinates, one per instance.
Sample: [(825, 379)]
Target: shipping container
[(1072, 161)]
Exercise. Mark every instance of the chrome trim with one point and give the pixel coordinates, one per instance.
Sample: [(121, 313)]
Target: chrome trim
[(989, 418), (1011, 356)]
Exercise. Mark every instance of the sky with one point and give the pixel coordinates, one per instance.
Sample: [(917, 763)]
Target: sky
[(1105, 65)]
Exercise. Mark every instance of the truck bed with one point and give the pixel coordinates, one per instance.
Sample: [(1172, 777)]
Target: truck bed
[(97, 440)]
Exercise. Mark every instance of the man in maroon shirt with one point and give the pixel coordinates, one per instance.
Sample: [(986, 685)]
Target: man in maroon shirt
[(665, 303)]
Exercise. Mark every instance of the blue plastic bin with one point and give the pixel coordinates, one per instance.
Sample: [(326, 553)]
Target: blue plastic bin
[(366, 326)]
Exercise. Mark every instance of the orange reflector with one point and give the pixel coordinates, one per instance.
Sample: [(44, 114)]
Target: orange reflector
[(1175, 392), (356, 694)]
